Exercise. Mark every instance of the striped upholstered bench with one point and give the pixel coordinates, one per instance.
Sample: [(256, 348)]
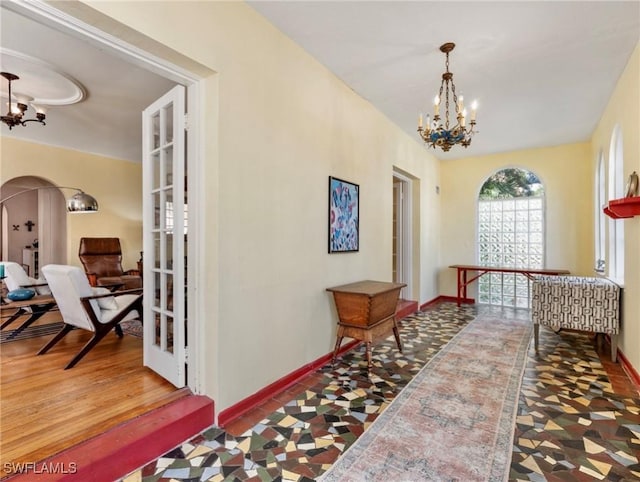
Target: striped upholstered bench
[(577, 303)]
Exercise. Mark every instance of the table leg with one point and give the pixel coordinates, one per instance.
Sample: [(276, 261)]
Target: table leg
[(459, 285), (464, 284), (369, 362), (397, 335), (339, 338)]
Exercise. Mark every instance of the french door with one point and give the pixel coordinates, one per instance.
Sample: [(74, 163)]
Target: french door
[(165, 235)]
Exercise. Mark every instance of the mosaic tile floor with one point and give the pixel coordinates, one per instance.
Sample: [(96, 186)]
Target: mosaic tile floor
[(570, 426)]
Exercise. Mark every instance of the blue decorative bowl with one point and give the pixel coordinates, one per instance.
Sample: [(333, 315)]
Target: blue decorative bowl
[(21, 294)]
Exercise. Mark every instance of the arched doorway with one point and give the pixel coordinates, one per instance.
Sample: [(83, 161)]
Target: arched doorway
[(34, 223)]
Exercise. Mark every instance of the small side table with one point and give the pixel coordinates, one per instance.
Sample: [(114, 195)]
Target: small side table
[(366, 312)]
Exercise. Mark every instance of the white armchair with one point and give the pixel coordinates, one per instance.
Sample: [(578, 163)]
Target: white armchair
[(91, 309), (16, 278)]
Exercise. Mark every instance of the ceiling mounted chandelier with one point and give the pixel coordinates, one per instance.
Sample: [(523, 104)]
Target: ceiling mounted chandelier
[(444, 136), (17, 109)]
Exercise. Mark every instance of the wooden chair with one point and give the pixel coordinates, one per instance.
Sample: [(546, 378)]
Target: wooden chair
[(82, 306)]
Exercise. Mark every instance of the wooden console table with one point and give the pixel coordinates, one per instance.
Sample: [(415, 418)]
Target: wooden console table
[(463, 282), (366, 312)]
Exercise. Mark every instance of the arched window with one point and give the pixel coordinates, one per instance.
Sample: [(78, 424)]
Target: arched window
[(615, 262), (510, 234), (600, 219)]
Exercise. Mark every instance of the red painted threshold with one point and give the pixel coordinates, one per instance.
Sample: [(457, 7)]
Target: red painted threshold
[(124, 448), (234, 412)]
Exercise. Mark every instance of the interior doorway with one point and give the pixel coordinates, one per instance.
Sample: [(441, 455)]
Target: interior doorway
[(34, 223), (189, 74), (402, 228)]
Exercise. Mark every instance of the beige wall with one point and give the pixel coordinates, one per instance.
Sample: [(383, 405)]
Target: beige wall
[(277, 125), (566, 174), (623, 110), (116, 185)]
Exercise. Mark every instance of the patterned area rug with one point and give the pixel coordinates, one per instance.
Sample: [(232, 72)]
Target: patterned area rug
[(30, 332), (435, 430), (132, 327)]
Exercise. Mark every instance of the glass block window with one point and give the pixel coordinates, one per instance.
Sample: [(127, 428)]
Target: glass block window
[(510, 234)]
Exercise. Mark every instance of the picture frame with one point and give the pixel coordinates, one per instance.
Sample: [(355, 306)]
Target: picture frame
[(344, 216)]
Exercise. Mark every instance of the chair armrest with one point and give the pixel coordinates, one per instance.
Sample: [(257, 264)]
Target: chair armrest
[(93, 279), (111, 286), (34, 285), (132, 272), (118, 293)]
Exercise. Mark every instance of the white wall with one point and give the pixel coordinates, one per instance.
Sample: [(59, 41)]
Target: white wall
[(278, 124)]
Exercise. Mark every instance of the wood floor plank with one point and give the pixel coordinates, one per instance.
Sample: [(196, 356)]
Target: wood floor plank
[(45, 409)]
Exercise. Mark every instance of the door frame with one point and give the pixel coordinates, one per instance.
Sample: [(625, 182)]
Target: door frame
[(195, 84)]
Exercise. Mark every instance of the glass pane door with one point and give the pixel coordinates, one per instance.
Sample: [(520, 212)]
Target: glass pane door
[(165, 236)]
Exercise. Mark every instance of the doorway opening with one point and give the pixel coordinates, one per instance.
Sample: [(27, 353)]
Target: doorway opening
[(402, 233), (34, 224)]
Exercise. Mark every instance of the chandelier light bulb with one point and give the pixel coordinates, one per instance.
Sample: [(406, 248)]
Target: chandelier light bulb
[(13, 107), (39, 108)]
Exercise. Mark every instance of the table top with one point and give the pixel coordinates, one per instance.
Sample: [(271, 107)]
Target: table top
[(472, 267), (367, 287), (36, 300)]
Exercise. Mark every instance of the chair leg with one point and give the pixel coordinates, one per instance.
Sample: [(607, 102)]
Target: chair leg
[(13, 317), (614, 348), (536, 336), (59, 336), (97, 336), (35, 315)]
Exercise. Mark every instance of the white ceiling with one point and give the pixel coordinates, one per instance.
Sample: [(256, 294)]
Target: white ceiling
[(108, 121), (542, 72)]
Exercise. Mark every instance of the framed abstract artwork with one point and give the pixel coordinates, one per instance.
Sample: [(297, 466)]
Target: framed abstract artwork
[(344, 216)]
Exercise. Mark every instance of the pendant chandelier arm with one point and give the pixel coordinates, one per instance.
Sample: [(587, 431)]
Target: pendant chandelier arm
[(79, 202)]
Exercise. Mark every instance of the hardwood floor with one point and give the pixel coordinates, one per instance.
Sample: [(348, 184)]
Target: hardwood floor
[(45, 409)]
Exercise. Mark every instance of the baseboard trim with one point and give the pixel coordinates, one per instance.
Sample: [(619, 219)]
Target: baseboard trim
[(445, 298), (234, 412), (628, 368)]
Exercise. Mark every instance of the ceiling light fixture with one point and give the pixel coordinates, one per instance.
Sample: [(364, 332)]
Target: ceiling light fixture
[(17, 109), (434, 133)]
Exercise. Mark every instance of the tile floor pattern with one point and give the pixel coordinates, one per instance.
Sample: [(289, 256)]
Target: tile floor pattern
[(570, 425)]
